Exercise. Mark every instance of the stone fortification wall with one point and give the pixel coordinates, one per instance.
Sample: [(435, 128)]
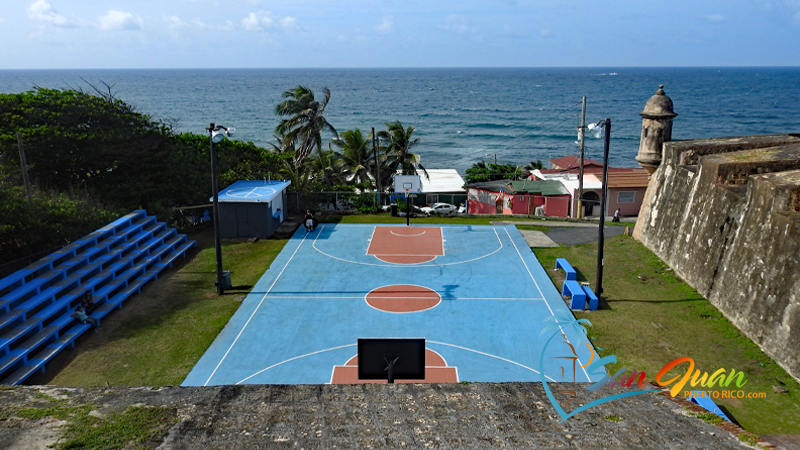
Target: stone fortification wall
[(377, 416), (725, 215)]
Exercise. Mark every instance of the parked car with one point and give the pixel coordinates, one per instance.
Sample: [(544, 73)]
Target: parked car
[(439, 208), (401, 210), (462, 209)]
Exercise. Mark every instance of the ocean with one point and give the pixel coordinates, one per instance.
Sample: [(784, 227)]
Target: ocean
[(461, 116)]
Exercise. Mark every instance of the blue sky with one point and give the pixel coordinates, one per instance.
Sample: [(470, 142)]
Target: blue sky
[(41, 34)]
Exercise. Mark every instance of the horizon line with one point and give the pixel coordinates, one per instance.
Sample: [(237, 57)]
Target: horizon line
[(411, 68)]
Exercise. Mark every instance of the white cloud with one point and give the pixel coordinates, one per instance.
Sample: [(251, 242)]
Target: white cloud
[(264, 20), (387, 25), (459, 24), (289, 23), (714, 18), (42, 11), (176, 23), (119, 20), (258, 21)]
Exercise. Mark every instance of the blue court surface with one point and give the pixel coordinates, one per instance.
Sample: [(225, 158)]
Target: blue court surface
[(306, 313)]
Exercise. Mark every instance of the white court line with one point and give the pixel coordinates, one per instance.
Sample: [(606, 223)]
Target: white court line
[(401, 254), (372, 236), (254, 312), (314, 246), (296, 357), (403, 312), (545, 300), (407, 235), (322, 297), (489, 355), (426, 342), (427, 367)]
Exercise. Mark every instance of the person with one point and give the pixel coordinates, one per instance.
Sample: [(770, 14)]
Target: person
[(308, 221), (87, 302), (616, 216), (80, 314)]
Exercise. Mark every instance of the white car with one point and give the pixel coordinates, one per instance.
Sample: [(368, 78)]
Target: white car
[(401, 210), (439, 208), (462, 209)]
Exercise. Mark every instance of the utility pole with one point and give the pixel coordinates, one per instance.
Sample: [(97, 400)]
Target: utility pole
[(581, 134), (377, 171), (598, 285), (24, 162)]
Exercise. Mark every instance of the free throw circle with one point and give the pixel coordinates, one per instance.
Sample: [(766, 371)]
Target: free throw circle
[(403, 298)]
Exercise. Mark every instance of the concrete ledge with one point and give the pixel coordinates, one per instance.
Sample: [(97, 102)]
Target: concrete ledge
[(380, 416)]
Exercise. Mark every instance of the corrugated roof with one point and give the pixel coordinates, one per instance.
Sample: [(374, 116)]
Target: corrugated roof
[(442, 180), (493, 186), (543, 187), (636, 178), (573, 162)]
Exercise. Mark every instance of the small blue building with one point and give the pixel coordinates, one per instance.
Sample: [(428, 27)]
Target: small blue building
[(252, 209)]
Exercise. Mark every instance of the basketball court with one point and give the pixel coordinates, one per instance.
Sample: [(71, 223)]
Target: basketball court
[(477, 294)]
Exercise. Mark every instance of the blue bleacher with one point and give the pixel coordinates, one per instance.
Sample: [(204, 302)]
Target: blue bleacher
[(112, 263)]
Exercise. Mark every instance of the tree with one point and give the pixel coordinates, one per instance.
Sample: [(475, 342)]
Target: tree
[(482, 171), (327, 168), (356, 156), (396, 145), (305, 120), (530, 167), (74, 139)]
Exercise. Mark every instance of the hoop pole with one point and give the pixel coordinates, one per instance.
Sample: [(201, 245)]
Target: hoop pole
[(408, 210)]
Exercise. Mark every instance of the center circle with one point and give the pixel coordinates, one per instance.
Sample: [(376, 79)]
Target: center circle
[(403, 298)]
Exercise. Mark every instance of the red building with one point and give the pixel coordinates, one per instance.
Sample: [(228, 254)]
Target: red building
[(544, 198)]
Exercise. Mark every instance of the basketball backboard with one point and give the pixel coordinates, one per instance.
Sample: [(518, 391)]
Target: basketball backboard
[(405, 356), (411, 184)]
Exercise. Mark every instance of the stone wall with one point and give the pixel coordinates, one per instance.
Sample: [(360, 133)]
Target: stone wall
[(375, 416), (725, 215)]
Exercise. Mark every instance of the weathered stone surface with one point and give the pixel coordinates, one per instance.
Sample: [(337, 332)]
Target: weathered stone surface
[(402, 416), (725, 215)]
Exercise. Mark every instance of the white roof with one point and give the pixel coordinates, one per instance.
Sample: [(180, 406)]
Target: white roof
[(570, 180), (442, 180)]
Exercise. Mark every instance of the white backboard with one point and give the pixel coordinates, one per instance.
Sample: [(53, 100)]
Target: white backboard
[(407, 183)]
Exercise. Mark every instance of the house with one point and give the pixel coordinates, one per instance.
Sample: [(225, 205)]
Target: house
[(548, 198), (625, 190), (442, 185), (252, 209)]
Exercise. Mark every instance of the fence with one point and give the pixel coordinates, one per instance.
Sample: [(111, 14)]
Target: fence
[(299, 202)]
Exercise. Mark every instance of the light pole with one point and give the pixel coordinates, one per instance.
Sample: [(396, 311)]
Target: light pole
[(598, 285), (216, 134)]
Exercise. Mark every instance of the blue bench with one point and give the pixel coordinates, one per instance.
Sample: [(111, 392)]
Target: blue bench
[(561, 263), (113, 262), (575, 291), (593, 301)]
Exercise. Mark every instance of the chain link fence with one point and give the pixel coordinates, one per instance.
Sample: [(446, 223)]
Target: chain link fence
[(299, 202)]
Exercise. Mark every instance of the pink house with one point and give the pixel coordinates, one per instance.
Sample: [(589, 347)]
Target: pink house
[(548, 198)]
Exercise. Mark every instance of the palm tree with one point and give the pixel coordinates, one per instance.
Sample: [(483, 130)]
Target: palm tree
[(327, 167), (531, 166), (305, 120), (396, 145), (356, 156)]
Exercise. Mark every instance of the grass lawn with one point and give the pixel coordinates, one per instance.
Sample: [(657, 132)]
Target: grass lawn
[(160, 334), (650, 318)]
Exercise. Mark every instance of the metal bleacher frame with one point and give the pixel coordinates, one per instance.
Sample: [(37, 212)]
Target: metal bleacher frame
[(112, 263)]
